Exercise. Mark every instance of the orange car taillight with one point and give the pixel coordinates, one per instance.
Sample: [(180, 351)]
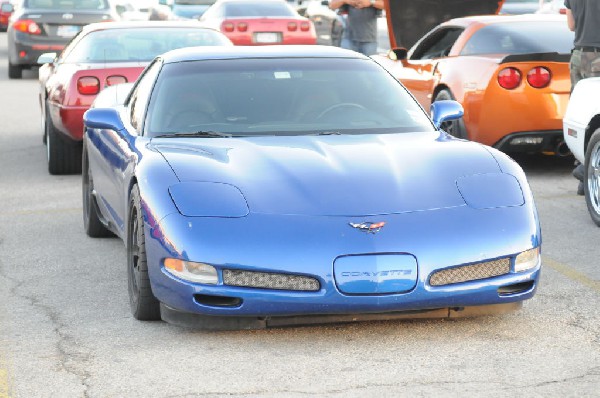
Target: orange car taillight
[(88, 85), (27, 26), (509, 78), (242, 27), (227, 27), (305, 26), (292, 26), (115, 79), (539, 77)]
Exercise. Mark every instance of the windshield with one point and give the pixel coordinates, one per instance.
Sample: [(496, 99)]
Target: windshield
[(73, 5), (140, 44), (258, 9), (195, 2), (521, 38), (281, 97)]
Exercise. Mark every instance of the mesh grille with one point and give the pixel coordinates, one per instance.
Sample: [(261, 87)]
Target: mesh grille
[(471, 272), (265, 280)]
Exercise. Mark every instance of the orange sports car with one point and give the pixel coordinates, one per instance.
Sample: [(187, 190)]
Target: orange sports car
[(510, 73)]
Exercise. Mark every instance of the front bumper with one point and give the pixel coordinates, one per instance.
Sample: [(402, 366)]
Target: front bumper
[(438, 239)]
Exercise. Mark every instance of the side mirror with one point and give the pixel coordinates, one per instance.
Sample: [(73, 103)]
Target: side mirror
[(120, 9), (398, 54), (46, 58), (445, 110), (103, 118)]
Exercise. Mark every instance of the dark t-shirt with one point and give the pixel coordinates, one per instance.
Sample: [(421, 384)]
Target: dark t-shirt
[(362, 24), (587, 21)]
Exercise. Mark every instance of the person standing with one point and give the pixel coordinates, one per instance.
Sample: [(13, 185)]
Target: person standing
[(583, 18), (360, 33)]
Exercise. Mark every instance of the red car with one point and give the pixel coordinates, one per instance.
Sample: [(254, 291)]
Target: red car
[(102, 55), (251, 23), (6, 9)]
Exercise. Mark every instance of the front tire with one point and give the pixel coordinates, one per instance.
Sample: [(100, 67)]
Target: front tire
[(92, 224), (144, 306), (456, 127), (591, 177), (64, 155)]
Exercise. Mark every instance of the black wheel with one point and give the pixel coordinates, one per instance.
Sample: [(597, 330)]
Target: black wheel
[(591, 177), (14, 71), (454, 127), (64, 156), (91, 218), (144, 306)]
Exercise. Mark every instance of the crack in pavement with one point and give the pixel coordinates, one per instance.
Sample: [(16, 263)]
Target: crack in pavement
[(485, 385), (70, 357)]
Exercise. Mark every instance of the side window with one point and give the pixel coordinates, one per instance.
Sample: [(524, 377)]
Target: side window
[(140, 95), (437, 44)]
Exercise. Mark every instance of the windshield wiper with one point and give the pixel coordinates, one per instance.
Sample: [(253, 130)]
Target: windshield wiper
[(196, 134), (328, 133)]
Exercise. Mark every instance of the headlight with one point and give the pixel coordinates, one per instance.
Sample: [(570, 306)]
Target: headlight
[(490, 191), (193, 272), (208, 199), (527, 260)]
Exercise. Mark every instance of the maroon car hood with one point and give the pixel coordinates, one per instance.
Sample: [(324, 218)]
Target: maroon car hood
[(409, 20)]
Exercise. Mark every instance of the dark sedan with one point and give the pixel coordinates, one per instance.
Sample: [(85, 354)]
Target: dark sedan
[(41, 26)]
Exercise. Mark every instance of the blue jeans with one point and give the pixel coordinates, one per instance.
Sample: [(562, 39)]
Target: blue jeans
[(367, 48)]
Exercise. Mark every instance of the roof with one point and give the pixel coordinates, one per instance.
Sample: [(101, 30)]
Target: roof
[(239, 52), (143, 24), (496, 19)]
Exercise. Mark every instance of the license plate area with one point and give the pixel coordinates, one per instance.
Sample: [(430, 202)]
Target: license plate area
[(375, 273), (67, 30), (267, 37)]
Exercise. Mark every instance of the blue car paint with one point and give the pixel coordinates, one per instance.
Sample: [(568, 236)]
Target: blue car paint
[(302, 193)]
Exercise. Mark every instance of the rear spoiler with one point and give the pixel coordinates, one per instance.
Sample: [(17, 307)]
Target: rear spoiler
[(542, 57), (409, 20)]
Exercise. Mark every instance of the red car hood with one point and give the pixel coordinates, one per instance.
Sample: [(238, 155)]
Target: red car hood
[(409, 20)]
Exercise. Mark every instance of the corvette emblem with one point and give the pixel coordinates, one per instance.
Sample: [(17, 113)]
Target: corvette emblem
[(368, 227)]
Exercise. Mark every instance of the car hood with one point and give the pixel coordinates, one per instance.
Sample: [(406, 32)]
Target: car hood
[(351, 175), (409, 20)]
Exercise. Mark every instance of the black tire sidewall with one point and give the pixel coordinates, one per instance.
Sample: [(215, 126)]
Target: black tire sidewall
[(593, 143), (144, 306)]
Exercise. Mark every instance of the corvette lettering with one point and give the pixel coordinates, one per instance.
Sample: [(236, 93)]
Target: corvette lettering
[(396, 272), (368, 227)]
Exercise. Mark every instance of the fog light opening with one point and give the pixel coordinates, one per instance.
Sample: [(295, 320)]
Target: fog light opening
[(217, 301), (516, 288)]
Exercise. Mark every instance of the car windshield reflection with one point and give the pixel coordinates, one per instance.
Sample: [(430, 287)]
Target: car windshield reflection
[(281, 97)]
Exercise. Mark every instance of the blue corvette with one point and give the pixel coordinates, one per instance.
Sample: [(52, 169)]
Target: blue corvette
[(258, 187)]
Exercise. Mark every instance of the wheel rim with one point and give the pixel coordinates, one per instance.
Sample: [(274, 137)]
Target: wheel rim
[(87, 193), (134, 257), (47, 141), (593, 180)]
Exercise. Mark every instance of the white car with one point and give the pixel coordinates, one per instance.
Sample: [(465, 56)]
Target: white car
[(552, 7), (581, 129)]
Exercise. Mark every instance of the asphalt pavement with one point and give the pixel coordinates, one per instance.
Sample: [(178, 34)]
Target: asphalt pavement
[(66, 329)]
